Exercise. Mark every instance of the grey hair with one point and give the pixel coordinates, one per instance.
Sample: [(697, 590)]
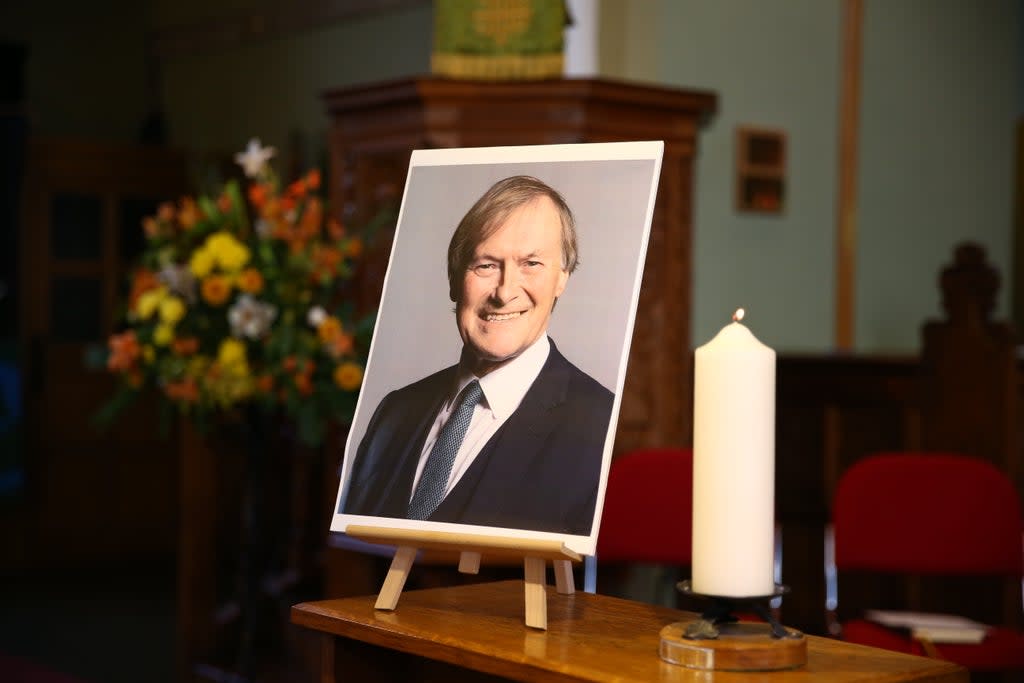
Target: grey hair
[(489, 213)]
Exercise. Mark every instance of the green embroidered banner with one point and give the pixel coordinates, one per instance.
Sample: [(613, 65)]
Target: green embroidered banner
[(498, 39)]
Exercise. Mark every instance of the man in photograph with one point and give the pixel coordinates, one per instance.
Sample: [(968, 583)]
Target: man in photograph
[(512, 435)]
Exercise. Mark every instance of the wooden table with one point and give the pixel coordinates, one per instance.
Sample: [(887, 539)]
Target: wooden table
[(476, 632)]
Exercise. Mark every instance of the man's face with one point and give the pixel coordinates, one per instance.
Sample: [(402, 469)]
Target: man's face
[(510, 285)]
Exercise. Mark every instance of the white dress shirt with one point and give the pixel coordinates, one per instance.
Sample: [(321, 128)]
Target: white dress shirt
[(503, 391)]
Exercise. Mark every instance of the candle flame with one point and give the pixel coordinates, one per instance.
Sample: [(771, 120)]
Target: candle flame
[(738, 315)]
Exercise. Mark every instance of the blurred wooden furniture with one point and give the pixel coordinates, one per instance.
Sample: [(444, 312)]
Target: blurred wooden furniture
[(969, 395), (950, 527), (81, 229), (476, 633), (964, 393)]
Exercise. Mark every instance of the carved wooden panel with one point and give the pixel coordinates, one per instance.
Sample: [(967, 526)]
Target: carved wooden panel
[(969, 378)]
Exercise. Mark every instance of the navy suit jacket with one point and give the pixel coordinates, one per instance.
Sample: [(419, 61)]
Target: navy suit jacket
[(539, 471)]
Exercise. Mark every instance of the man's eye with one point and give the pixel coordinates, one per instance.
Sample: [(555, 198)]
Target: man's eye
[(483, 268), (534, 264)]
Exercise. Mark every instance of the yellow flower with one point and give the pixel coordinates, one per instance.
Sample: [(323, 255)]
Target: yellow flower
[(201, 262), (148, 354), (348, 376), (329, 329), (228, 252), (149, 301), (163, 334), (172, 309), (231, 354)]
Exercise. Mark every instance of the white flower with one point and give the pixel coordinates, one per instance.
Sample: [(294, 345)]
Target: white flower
[(251, 318), (254, 158), (179, 279), (316, 316)]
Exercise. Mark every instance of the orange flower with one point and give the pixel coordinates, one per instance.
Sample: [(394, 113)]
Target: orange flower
[(329, 329), (186, 390), (265, 384), (289, 363), (165, 213), (313, 179), (215, 290), (327, 258), (354, 248), (271, 209), (312, 218), (185, 346), (348, 376), (335, 229), (224, 202), (250, 281), (189, 213), (143, 280), (150, 227), (258, 194), (297, 190), (340, 345), (124, 351), (304, 384)]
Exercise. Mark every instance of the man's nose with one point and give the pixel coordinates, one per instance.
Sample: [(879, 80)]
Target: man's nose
[(508, 284)]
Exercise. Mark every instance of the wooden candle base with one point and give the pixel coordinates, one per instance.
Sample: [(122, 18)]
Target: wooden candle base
[(741, 646)]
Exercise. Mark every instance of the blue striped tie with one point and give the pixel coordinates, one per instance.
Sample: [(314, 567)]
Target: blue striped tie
[(434, 480)]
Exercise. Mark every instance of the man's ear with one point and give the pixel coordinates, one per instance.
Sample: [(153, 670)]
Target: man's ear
[(563, 280)]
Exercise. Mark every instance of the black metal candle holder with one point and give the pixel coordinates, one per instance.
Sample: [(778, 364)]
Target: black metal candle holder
[(722, 608)]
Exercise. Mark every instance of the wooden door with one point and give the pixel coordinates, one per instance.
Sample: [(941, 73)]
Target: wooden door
[(92, 497)]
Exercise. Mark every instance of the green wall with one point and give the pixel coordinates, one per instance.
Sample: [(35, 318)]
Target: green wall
[(941, 82), (941, 92), (940, 104), (217, 99)]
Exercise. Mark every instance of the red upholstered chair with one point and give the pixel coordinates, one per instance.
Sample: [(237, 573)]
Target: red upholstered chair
[(928, 515), (648, 517), (647, 508)]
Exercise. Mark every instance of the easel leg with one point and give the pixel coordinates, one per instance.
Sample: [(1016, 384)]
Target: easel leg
[(564, 581), (395, 580), (469, 562), (535, 595)]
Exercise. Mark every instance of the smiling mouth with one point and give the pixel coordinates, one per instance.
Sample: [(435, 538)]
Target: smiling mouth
[(501, 317)]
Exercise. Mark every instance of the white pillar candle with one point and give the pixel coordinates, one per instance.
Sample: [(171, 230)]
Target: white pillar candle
[(733, 465)]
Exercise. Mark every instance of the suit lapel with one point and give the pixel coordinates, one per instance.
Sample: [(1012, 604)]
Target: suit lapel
[(389, 494)]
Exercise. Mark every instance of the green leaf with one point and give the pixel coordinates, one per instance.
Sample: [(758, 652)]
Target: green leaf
[(109, 411), (311, 427)]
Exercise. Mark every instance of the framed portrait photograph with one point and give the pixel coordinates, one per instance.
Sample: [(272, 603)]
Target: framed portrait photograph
[(495, 373)]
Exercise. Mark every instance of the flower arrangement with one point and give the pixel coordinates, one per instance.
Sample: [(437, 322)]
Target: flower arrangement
[(235, 303)]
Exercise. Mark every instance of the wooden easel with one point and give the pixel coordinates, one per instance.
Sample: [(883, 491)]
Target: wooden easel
[(470, 548)]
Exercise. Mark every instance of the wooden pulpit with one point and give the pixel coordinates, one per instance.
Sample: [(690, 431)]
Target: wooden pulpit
[(374, 129)]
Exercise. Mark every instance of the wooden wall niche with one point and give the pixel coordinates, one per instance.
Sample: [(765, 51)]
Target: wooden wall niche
[(760, 170)]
